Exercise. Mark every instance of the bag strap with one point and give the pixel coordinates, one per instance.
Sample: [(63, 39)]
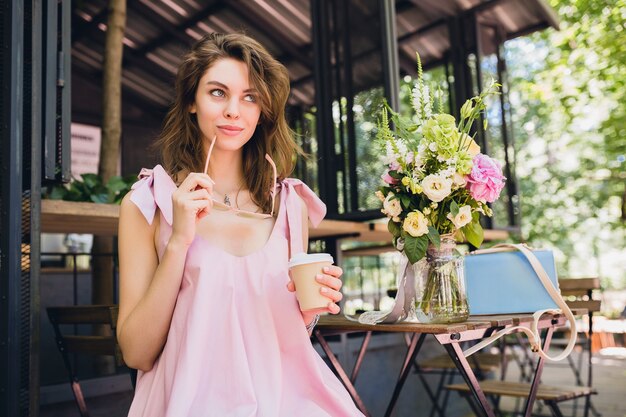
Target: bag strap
[(534, 337)]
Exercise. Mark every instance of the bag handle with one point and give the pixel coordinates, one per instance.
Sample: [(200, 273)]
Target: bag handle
[(534, 337)]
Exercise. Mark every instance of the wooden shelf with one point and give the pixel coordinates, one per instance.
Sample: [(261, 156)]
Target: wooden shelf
[(59, 216)]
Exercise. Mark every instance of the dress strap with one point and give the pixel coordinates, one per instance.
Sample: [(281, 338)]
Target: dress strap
[(154, 189), (316, 208)]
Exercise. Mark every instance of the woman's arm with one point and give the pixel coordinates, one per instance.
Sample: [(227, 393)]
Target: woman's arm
[(330, 279), (149, 289)]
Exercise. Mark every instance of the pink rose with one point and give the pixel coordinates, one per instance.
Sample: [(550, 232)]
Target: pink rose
[(388, 178), (394, 166), (486, 180)]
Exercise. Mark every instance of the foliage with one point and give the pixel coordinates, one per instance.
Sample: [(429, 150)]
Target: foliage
[(567, 98), (91, 188), (437, 181)]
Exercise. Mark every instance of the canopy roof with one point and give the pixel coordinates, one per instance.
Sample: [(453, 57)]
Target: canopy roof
[(158, 33)]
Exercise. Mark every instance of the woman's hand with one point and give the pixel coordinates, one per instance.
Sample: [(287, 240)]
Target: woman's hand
[(191, 202), (331, 284)]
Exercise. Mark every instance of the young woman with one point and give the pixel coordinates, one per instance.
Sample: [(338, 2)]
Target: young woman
[(207, 310)]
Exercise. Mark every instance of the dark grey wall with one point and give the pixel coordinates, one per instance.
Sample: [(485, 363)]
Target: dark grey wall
[(139, 127)]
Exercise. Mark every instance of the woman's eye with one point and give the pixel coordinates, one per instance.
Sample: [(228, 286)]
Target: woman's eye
[(251, 98), (217, 93)]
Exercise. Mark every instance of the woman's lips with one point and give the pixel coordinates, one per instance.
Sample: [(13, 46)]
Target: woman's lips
[(230, 130)]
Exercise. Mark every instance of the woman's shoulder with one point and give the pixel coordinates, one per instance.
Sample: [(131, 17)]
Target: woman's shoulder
[(301, 194), (153, 190)]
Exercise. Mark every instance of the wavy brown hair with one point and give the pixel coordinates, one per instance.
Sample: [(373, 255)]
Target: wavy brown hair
[(180, 140)]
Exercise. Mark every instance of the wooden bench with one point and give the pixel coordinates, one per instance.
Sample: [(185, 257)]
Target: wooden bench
[(482, 363), (85, 344), (550, 395)]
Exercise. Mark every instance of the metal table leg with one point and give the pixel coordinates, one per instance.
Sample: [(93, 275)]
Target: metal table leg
[(532, 395), (414, 347), (340, 371), (456, 353)]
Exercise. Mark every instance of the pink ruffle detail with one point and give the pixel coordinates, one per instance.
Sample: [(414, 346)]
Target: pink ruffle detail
[(154, 189)]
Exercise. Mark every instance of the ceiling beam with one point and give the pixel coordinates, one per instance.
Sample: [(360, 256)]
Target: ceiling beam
[(127, 94), (178, 31), (256, 21)]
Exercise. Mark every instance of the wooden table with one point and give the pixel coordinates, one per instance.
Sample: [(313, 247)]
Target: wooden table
[(448, 335), (59, 216)]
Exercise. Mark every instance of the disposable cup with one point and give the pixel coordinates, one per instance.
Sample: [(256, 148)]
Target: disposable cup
[(303, 268)]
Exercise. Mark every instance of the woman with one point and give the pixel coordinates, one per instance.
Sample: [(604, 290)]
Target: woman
[(207, 309)]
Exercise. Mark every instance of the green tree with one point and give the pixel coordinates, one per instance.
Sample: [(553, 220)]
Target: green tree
[(567, 95)]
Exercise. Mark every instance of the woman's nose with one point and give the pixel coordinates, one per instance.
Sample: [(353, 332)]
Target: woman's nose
[(232, 110)]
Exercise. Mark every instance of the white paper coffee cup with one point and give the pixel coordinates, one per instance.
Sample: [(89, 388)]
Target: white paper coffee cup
[(303, 268)]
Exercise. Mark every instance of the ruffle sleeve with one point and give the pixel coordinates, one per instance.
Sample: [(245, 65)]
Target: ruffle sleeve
[(316, 208), (154, 189)]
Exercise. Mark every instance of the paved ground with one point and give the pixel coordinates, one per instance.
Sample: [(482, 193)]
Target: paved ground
[(609, 379)]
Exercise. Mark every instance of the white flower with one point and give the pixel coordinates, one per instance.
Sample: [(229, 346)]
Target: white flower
[(390, 157), (380, 195), (416, 101), (426, 211), (437, 187), (418, 160), (462, 218), (459, 180), (392, 207), (432, 146), (415, 224)]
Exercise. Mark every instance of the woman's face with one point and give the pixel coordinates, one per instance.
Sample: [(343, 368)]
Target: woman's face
[(226, 104)]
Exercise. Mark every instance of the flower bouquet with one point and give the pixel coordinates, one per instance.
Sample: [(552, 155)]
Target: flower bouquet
[(437, 185)]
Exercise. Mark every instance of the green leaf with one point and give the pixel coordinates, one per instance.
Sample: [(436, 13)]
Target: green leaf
[(91, 180), (99, 198), (394, 228), (454, 208), (415, 247), (116, 184), (473, 233), (405, 200), (433, 236), (58, 192), (396, 175)]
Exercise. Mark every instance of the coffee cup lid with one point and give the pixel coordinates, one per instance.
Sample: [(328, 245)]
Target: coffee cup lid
[(309, 258)]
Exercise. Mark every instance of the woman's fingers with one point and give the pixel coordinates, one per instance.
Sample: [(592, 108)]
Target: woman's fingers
[(333, 270), (291, 286), (330, 281), (200, 194), (335, 296), (195, 180), (333, 308)]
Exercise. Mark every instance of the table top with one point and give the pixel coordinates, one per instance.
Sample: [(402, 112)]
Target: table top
[(59, 216), (339, 323)]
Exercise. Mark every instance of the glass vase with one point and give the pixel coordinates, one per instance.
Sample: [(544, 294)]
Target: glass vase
[(440, 285)]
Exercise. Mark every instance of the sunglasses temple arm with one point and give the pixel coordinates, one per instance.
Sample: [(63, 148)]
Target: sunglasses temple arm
[(208, 155), (269, 159)]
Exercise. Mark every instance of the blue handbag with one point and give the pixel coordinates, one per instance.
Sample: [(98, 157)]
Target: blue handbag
[(512, 278), (501, 282)]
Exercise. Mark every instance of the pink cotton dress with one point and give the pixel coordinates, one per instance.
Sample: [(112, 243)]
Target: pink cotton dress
[(237, 345)]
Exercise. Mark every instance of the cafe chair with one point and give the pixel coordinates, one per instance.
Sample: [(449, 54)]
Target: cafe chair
[(94, 345), (578, 294), (483, 364)]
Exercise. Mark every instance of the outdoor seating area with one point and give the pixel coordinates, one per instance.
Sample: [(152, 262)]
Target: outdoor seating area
[(462, 161)]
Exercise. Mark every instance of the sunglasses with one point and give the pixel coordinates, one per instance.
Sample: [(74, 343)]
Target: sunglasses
[(218, 205)]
